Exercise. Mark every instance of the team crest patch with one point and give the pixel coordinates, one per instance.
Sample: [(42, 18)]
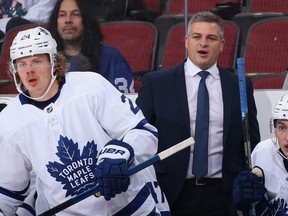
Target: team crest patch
[(76, 172)]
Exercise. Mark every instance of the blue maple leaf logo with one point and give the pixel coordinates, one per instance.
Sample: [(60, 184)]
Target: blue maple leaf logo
[(76, 172)]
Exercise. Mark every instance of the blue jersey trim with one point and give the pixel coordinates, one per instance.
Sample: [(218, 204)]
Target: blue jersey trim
[(141, 125), (136, 203), (14, 195), (40, 104), (28, 208)]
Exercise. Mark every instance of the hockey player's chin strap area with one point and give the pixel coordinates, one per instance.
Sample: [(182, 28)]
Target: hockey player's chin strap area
[(285, 159), (281, 154), (53, 78)]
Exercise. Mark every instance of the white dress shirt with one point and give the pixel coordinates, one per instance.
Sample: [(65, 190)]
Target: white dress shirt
[(215, 142)]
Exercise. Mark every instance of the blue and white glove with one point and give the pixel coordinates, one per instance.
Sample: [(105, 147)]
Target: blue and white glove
[(248, 188), (112, 171)]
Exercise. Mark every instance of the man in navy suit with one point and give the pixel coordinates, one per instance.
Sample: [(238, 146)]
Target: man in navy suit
[(168, 100)]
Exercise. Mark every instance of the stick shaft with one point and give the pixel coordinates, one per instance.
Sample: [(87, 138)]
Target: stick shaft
[(244, 114), (244, 111), (160, 156)]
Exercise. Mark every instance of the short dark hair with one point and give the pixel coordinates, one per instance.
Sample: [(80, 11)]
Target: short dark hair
[(206, 16)]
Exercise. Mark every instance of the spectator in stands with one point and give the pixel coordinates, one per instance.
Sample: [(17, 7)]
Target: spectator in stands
[(77, 32), (168, 100), (19, 12)]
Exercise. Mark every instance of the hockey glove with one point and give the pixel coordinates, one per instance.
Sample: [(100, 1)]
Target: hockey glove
[(248, 188), (112, 171)]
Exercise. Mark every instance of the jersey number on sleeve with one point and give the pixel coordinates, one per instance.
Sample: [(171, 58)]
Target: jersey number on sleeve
[(132, 108)]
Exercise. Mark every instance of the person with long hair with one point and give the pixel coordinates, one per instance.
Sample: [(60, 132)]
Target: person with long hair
[(78, 35)]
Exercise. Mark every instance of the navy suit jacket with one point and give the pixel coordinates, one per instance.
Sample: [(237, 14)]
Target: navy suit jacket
[(163, 100)]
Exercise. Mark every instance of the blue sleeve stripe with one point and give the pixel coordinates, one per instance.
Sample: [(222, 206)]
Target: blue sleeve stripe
[(141, 125), (153, 213), (23, 191), (136, 203), (14, 195), (28, 208)]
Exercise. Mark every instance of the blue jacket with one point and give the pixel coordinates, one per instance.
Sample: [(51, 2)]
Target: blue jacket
[(113, 66)]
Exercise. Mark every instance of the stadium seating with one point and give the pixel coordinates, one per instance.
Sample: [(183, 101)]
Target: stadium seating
[(257, 6), (174, 50), (153, 5), (193, 6), (266, 53), (7, 85), (136, 40), (164, 23), (256, 10), (151, 9), (159, 43), (246, 19)]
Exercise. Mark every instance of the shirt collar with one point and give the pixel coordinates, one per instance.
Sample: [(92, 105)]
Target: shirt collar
[(194, 70)]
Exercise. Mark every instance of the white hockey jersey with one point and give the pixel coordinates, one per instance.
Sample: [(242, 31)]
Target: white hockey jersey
[(59, 142), (266, 156)]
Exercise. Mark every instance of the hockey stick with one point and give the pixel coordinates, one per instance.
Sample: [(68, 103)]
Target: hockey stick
[(244, 114), (158, 157), (244, 111)]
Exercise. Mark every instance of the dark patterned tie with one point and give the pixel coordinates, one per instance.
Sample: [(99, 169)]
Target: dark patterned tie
[(200, 155)]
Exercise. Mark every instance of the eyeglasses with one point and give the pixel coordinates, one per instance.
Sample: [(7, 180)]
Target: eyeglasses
[(23, 66)]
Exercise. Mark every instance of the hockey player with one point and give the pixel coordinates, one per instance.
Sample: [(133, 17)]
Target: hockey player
[(270, 173), (72, 131)]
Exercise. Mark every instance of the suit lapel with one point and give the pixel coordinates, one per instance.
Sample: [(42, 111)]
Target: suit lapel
[(227, 95), (180, 88)]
